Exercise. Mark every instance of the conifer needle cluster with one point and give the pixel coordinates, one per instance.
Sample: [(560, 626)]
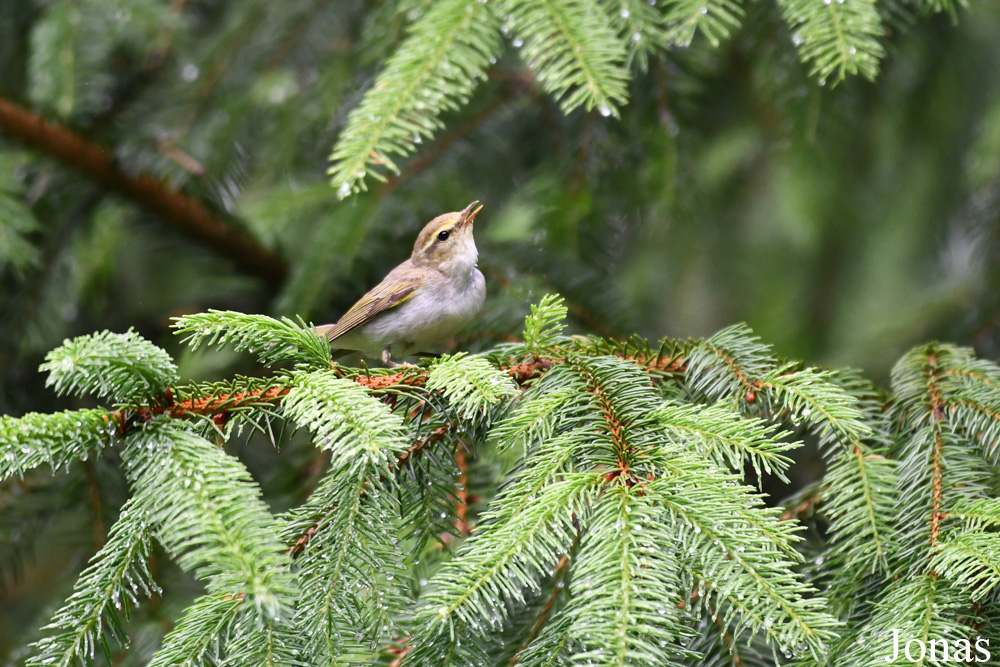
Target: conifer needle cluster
[(561, 500)]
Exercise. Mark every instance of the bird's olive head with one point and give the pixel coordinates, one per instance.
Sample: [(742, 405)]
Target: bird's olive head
[(446, 242)]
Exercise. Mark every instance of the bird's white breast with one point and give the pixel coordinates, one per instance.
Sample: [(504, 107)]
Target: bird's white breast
[(435, 313)]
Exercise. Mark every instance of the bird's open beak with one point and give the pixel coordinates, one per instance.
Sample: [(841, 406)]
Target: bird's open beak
[(469, 213)]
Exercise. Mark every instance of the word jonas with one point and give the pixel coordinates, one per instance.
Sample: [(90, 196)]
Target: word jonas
[(939, 650)]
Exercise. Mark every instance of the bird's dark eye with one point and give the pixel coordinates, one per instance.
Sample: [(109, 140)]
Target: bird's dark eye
[(443, 236)]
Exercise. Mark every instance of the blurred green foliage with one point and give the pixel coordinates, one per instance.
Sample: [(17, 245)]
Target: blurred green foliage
[(842, 223)]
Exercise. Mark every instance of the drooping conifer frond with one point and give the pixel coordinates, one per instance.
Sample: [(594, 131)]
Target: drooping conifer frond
[(116, 578), (715, 19), (578, 51), (350, 567), (944, 536), (202, 632), (435, 69), (836, 37), (641, 26), (575, 55), (57, 439), (207, 512)]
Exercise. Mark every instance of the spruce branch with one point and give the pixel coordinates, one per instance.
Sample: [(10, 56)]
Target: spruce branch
[(271, 340), (977, 514), (122, 366), (435, 69), (811, 396), (728, 439), (616, 518), (544, 326), (519, 86), (208, 513), (470, 384), (116, 577), (202, 631), (622, 609), (267, 644), (350, 560), (921, 608), (57, 439), (837, 37), (499, 559), (17, 223), (725, 365), (860, 501), (558, 585), (576, 56), (187, 214), (751, 576), (345, 419), (715, 19), (971, 560), (641, 26)]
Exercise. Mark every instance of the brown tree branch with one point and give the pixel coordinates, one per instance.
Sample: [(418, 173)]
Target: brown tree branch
[(180, 210), (936, 417)]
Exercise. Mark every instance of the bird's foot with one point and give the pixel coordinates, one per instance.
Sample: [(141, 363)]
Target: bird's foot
[(387, 360)]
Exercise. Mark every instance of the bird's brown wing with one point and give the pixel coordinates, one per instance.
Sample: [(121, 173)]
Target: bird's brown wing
[(391, 292)]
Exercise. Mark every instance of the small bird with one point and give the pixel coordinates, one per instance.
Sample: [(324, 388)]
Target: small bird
[(422, 302)]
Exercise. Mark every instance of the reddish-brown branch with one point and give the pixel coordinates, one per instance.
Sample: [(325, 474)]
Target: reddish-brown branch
[(727, 638), (808, 504), (185, 213), (462, 492), (729, 361), (213, 405), (615, 430), (522, 373), (936, 415), (401, 654), (218, 407), (658, 363), (978, 377)]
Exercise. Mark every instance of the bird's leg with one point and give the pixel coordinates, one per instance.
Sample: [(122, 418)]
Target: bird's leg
[(387, 360)]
